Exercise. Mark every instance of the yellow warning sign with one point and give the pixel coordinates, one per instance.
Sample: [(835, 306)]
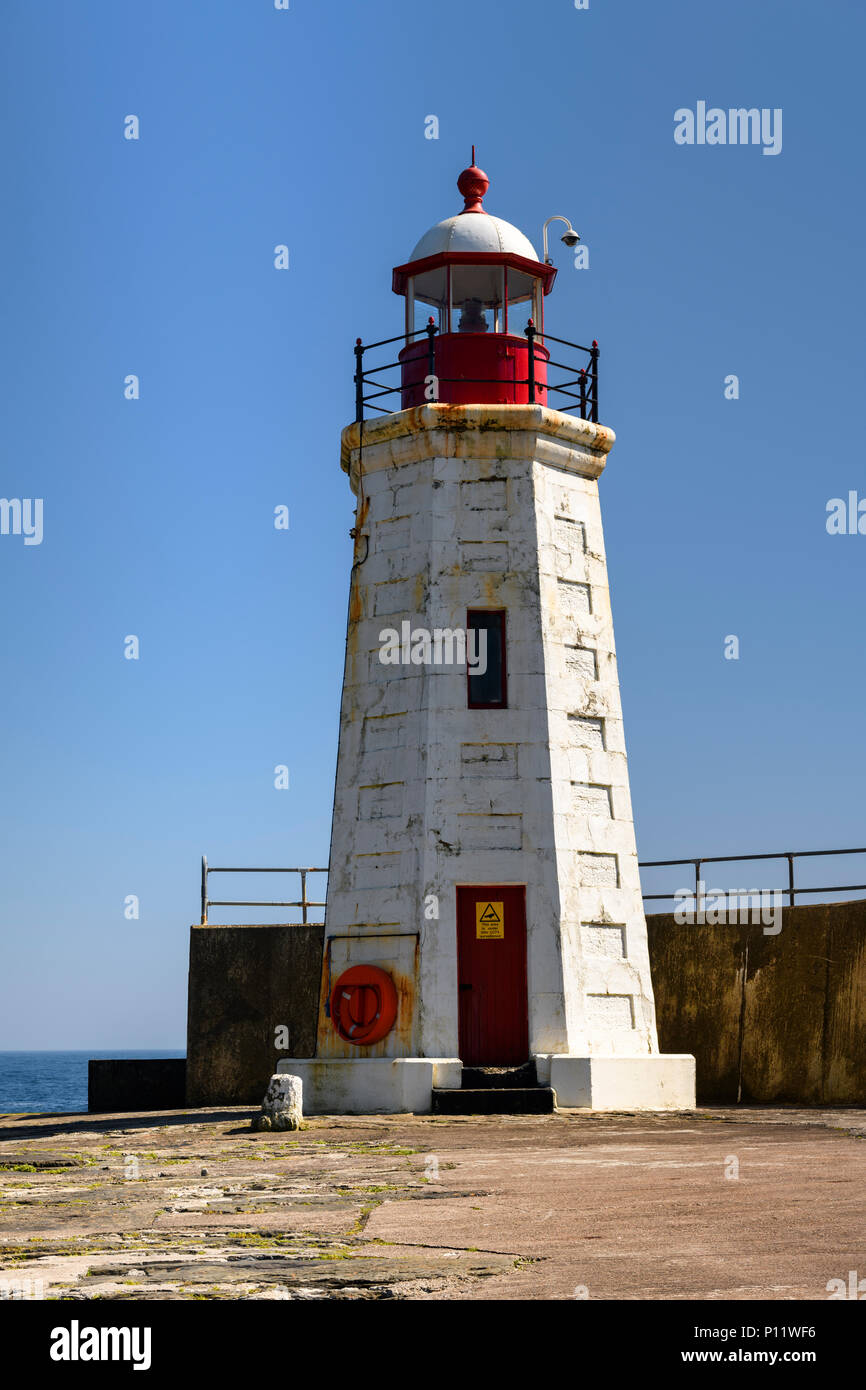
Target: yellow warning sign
[(489, 921)]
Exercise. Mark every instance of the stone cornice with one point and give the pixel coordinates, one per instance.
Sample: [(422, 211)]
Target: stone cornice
[(477, 431)]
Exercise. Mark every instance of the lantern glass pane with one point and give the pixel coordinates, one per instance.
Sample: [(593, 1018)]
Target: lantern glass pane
[(476, 298), (521, 288), (432, 287)]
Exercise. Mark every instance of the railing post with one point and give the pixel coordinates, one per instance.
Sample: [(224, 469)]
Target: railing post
[(359, 380), (593, 390), (790, 858), (583, 393), (431, 350), (303, 895), (530, 334), (697, 889), (204, 891)]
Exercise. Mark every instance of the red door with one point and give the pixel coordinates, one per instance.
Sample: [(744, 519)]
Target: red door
[(491, 972)]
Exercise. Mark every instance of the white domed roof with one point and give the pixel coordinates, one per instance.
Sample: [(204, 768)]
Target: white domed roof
[(474, 232)]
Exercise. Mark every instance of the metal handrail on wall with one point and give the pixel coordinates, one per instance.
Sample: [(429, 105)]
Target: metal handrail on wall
[(790, 856), (206, 902), (697, 864), (580, 388)]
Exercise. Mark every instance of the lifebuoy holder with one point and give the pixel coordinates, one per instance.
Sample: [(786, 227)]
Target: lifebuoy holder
[(364, 1005)]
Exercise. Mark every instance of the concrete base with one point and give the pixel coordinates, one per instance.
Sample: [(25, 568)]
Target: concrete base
[(653, 1081), (401, 1085), (372, 1085)]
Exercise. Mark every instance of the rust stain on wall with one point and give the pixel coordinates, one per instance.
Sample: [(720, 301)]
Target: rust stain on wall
[(400, 1042)]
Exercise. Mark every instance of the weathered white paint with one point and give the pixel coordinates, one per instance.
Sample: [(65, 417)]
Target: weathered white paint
[(365, 1086), (489, 507), (660, 1081), (282, 1107), (478, 233)]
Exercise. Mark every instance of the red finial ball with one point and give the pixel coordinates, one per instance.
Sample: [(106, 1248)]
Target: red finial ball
[(473, 183)]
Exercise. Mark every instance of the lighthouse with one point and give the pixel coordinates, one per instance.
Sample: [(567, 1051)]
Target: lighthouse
[(485, 946)]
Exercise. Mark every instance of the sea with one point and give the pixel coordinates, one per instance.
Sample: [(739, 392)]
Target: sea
[(54, 1083)]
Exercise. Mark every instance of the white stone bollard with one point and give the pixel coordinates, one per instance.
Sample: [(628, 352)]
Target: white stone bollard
[(282, 1107)]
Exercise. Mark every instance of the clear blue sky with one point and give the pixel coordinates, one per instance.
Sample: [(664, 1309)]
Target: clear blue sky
[(155, 257)]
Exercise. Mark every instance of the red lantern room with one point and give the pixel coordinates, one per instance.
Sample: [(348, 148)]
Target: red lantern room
[(483, 280)]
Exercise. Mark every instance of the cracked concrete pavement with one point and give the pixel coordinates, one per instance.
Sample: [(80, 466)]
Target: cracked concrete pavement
[(713, 1204)]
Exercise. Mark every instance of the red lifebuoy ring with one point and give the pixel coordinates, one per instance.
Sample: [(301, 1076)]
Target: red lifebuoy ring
[(364, 1004)]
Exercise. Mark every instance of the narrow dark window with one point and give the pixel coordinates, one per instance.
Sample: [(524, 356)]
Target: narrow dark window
[(485, 640)]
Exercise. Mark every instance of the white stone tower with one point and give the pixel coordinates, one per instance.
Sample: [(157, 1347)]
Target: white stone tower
[(484, 906)]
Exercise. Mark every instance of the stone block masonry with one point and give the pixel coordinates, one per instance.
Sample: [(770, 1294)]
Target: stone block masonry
[(484, 518)]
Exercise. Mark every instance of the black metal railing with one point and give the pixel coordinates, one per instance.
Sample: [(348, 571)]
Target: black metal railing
[(580, 388), (303, 902), (791, 889)]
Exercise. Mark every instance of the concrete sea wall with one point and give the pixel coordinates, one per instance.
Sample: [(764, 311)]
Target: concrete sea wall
[(770, 1019)]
